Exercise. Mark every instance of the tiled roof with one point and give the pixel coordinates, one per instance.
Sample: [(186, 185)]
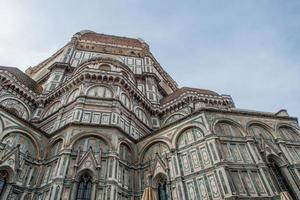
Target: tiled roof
[(182, 90), (110, 39), (23, 78)]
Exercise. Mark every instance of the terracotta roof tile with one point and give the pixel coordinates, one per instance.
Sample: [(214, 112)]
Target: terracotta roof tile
[(110, 39), (180, 91), (23, 78)]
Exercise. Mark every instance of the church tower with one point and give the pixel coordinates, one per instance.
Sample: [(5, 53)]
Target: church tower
[(101, 119)]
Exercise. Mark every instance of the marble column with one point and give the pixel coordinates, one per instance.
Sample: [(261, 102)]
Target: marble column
[(74, 190), (288, 176)]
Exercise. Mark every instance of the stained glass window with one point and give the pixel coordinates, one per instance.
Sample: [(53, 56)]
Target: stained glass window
[(84, 188), (162, 191)]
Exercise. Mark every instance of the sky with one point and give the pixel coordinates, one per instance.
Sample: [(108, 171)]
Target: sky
[(248, 49)]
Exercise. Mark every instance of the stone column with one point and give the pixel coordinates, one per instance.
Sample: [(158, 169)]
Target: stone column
[(93, 194), (7, 191), (74, 190), (266, 181), (288, 176)]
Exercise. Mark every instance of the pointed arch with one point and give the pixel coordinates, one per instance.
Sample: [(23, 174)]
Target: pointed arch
[(84, 143), (159, 147), (185, 127), (174, 117), (52, 108), (258, 129), (189, 135), (288, 132), (228, 127), (126, 153), (125, 100), (73, 95), (55, 147), (28, 143), (16, 106)]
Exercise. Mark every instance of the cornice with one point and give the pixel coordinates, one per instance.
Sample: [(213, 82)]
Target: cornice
[(9, 81)]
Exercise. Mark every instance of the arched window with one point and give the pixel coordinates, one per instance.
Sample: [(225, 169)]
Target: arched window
[(162, 191), (84, 144), (3, 180), (52, 108), (105, 67), (100, 91), (173, 118), (157, 148), (84, 187), (125, 100), (227, 129), (125, 153), (289, 134), (26, 145), (16, 107), (73, 95), (260, 132), (141, 115), (54, 149), (189, 136)]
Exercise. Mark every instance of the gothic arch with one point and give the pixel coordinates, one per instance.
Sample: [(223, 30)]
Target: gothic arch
[(184, 128), (149, 145), (80, 136), (296, 130), (56, 139), (130, 103), (85, 171), (50, 108), (145, 118), (127, 144), (51, 146), (269, 129), (72, 95), (7, 98), (230, 122), (131, 151), (159, 176), (166, 121), (26, 134)]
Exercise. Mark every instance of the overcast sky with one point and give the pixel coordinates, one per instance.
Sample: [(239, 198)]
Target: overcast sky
[(249, 49)]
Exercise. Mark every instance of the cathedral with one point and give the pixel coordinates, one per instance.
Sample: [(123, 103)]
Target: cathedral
[(100, 119)]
